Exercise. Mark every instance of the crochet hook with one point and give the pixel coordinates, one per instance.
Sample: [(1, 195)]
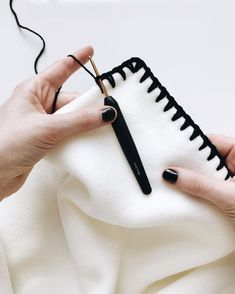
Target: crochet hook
[(125, 139)]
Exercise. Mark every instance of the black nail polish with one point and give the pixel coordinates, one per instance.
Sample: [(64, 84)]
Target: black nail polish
[(170, 175), (108, 114)]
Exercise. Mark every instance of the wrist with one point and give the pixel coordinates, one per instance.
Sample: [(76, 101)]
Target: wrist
[(11, 179), (5, 189)]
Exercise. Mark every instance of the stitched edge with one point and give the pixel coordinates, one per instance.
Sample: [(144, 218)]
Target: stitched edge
[(134, 64)]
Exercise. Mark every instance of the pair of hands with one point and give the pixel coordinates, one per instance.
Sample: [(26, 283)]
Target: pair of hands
[(28, 132)]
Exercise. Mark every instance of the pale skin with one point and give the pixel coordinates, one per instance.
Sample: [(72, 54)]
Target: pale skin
[(219, 193), (29, 132)]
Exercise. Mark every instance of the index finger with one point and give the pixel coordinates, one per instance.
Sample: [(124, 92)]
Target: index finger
[(57, 73), (226, 147), (223, 144)]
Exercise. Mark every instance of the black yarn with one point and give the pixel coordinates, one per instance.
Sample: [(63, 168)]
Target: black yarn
[(96, 78), (41, 53), (135, 64), (53, 108), (33, 32), (83, 66), (58, 91)]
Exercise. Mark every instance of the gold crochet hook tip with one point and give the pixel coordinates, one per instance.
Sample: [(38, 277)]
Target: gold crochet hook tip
[(98, 74)]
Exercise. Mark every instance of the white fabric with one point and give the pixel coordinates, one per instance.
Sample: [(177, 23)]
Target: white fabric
[(81, 224)]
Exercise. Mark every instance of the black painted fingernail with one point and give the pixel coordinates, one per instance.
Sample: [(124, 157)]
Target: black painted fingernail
[(108, 114), (170, 175)]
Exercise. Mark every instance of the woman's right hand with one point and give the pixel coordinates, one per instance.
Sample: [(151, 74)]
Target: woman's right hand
[(29, 130)]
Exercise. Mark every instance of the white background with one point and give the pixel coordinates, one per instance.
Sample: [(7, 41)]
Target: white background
[(189, 45)]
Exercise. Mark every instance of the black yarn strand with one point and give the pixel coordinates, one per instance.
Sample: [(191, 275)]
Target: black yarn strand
[(155, 83), (83, 66), (134, 64), (31, 31), (58, 91), (96, 78), (42, 51)]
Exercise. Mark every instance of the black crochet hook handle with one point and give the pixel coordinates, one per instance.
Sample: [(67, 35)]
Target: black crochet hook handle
[(128, 147)]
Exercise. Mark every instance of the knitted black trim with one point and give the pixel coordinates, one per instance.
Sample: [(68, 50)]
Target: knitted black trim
[(134, 64)]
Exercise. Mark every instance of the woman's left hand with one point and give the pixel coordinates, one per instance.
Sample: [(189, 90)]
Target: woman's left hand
[(220, 193)]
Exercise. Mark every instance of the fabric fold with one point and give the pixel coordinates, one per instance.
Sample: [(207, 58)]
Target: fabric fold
[(81, 223)]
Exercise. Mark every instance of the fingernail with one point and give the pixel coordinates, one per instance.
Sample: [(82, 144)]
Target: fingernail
[(170, 175), (108, 114)]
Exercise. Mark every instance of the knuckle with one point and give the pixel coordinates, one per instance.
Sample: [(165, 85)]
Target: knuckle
[(228, 207), (42, 81), (197, 187), (85, 119), (40, 84), (42, 125), (50, 134)]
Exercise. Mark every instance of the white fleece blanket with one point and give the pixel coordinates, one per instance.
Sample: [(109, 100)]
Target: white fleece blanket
[(82, 225)]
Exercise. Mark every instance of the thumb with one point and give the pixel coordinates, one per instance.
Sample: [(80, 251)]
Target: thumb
[(84, 119), (220, 193)]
